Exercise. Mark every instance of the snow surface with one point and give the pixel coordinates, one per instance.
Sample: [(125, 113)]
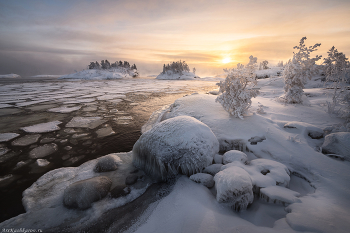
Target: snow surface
[(9, 76), (177, 76)]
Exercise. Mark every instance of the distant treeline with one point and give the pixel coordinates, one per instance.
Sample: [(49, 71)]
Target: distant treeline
[(176, 67), (105, 64)]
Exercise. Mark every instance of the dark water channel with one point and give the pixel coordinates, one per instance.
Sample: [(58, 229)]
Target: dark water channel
[(18, 171)]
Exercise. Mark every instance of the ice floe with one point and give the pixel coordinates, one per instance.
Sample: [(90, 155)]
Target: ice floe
[(5, 137), (43, 127), (85, 122)]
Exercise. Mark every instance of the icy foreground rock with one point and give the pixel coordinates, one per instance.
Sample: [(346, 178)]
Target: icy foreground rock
[(337, 143), (204, 179), (234, 187), (234, 155), (83, 193), (178, 145)]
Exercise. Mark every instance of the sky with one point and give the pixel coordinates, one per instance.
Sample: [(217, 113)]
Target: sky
[(60, 37)]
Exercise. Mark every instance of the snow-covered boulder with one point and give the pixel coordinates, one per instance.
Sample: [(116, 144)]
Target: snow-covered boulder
[(234, 187), (83, 193), (337, 143), (218, 159), (204, 179), (107, 163), (213, 169), (279, 195), (234, 155), (181, 76), (177, 145)]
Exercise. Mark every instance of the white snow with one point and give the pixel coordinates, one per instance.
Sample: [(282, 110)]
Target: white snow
[(337, 143), (279, 195), (9, 76), (5, 137), (177, 76), (43, 127), (204, 179)]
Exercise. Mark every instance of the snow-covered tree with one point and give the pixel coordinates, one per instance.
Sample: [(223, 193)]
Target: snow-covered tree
[(92, 65), (237, 89), (264, 65), (194, 70), (280, 64), (176, 67), (300, 68), (336, 70)]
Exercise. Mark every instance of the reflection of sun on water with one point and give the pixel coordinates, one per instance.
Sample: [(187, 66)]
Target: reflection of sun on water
[(226, 60)]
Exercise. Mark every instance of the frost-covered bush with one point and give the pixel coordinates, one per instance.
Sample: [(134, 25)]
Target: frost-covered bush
[(237, 89), (336, 69), (297, 71), (263, 65), (177, 67), (280, 64)]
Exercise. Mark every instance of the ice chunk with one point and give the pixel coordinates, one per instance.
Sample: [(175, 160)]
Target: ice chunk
[(204, 179), (104, 132), (337, 143), (73, 160), (81, 135), (47, 140), (178, 145), (43, 151), (85, 122), (234, 187), (83, 193), (213, 169), (279, 195), (65, 109), (42, 162), (3, 150), (234, 155), (5, 137), (43, 127), (107, 163), (26, 140)]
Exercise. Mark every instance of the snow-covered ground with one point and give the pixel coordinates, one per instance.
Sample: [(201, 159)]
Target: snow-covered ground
[(9, 76), (96, 74), (300, 189), (184, 75)]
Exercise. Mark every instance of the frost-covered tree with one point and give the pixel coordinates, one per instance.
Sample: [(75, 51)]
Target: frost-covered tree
[(280, 64), (97, 65), (264, 65), (237, 89), (176, 67), (336, 70), (194, 70), (92, 65), (300, 68)]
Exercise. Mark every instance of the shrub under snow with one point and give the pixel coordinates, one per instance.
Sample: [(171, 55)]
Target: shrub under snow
[(237, 89), (297, 71)]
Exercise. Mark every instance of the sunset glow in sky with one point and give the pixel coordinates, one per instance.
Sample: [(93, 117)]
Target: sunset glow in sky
[(58, 37)]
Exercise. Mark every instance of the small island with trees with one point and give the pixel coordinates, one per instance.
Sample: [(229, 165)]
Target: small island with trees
[(177, 70)]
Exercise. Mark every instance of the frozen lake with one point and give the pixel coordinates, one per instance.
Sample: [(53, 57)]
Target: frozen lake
[(49, 123)]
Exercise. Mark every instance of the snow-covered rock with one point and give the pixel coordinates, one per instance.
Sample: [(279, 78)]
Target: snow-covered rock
[(107, 163), (234, 187), (174, 76), (234, 155), (213, 169), (204, 179), (43, 127), (218, 159), (337, 143), (83, 193), (101, 74), (178, 145)]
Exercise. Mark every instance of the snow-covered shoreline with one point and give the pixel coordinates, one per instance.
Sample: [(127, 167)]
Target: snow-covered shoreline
[(10, 76), (98, 74)]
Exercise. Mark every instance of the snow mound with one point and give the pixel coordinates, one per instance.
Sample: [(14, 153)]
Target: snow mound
[(204, 179), (178, 145), (279, 195), (234, 187), (267, 73), (307, 129), (83, 193), (213, 169), (101, 74), (337, 143), (107, 163), (43, 127), (181, 76), (218, 159), (234, 155), (9, 76)]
